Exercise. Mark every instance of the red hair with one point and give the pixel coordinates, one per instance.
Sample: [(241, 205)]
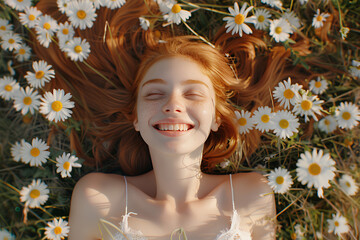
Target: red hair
[(104, 88)]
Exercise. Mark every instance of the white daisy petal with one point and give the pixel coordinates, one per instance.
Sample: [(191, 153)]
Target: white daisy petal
[(56, 105), (244, 121), (81, 13), (35, 153), (285, 124), (338, 224), (347, 115), (77, 49), (287, 93), (348, 185), (8, 87), (280, 180), (57, 229), (35, 194), (328, 124), (65, 163), (308, 106)]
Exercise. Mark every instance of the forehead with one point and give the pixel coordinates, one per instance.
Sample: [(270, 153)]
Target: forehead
[(173, 70)]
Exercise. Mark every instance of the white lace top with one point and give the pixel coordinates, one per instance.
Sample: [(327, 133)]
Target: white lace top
[(233, 233)]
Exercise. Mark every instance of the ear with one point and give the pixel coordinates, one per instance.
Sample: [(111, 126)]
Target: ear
[(216, 124), (136, 124)]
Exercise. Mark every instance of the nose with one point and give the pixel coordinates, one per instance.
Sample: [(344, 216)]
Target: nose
[(173, 105)]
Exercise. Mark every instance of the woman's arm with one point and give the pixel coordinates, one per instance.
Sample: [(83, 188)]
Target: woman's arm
[(88, 205)]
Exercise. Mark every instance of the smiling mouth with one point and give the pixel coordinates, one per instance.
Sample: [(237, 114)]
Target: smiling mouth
[(173, 127)]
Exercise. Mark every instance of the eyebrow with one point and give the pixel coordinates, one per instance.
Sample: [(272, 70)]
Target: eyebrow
[(186, 82)]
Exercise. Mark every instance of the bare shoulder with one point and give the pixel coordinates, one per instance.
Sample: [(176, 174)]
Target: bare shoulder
[(91, 201), (255, 199)]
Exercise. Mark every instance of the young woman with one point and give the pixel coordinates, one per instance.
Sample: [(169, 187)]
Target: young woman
[(163, 112)]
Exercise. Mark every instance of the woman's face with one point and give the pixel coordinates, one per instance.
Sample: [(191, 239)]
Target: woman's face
[(175, 106)]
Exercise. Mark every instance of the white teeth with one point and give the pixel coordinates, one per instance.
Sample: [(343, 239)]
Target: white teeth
[(173, 127)]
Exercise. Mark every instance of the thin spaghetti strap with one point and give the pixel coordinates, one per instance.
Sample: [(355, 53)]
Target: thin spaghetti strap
[(232, 193), (126, 196)]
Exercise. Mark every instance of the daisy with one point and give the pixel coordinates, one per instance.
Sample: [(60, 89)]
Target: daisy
[(5, 26), (338, 224), (273, 3), (299, 232), (328, 124), (280, 29), (262, 19), (97, 3), (165, 5), (5, 235), (174, 13), (263, 119), (57, 229), (63, 5), (316, 170), (27, 100), (77, 49), (56, 106), (10, 41), (19, 5), (236, 23), (44, 37), (23, 53), (35, 153), (318, 86), (30, 17), (287, 93), (65, 32), (302, 2), (348, 185), (245, 121), (144, 23), (113, 4), (81, 14), (319, 19), (293, 20), (355, 68), (224, 164), (35, 194), (65, 163), (285, 124), (43, 74), (16, 150), (46, 24), (347, 115), (308, 106), (280, 180), (8, 87)]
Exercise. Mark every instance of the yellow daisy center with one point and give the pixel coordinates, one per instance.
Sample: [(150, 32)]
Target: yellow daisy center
[(34, 152), (261, 18), (8, 88), (176, 8), (66, 165), (57, 230), (65, 31), (11, 41), (31, 17), (289, 94), (348, 184), (34, 193), (22, 51), (6, 238), (336, 223), (284, 123), (293, 236), (265, 118), (19, 0), (81, 14), (280, 180), (306, 105), (56, 106), (47, 26), (239, 19), (27, 100), (314, 169), (319, 18), (318, 84), (278, 30), (78, 49), (348, 142), (242, 121), (39, 74), (346, 115), (3, 28), (327, 122), (26, 119)]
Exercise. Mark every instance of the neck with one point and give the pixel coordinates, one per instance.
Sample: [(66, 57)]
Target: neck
[(177, 176)]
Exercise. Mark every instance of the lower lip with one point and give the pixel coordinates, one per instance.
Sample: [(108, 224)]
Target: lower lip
[(173, 133)]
